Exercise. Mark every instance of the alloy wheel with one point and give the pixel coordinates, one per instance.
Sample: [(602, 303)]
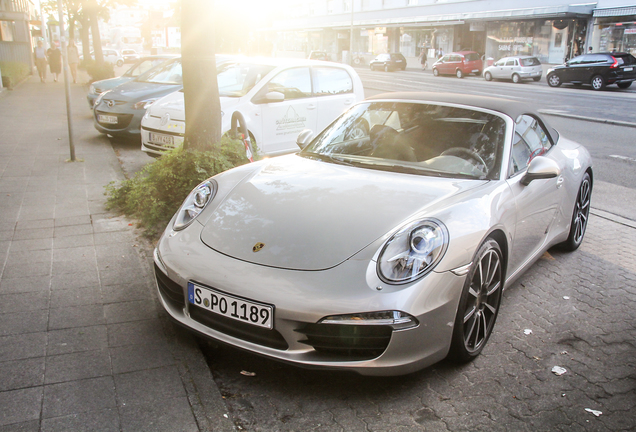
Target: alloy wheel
[(487, 76), (554, 80), (598, 83), (482, 305), (581, 211)]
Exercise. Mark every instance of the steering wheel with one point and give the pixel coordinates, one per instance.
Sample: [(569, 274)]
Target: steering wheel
[(459, 151)]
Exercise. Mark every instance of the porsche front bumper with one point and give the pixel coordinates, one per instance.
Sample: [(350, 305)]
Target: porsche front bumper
[(301, 298)]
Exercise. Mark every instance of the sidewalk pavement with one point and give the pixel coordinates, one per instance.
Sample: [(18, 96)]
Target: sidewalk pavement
[(84, 343)]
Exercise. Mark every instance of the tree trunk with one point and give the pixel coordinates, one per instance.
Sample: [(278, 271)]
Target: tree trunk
[(91, 12), (200, 88), (86, 48)]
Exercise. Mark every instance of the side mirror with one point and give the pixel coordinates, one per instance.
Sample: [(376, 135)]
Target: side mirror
[(304, 138), (540, 168), (270, 97)]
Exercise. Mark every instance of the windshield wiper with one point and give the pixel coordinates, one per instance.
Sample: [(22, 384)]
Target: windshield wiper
[(326, 158)]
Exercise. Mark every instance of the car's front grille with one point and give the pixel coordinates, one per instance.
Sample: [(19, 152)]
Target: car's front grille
[(123, 120), (347, 342), (170, 290), (239, 330)]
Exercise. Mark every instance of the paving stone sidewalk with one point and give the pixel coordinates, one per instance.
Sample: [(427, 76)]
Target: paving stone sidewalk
[(83, 342)]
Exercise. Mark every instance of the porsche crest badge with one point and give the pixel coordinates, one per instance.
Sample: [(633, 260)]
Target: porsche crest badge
[(258, 246)]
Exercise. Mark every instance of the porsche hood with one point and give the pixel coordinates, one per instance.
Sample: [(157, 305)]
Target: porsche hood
[(302, 214)]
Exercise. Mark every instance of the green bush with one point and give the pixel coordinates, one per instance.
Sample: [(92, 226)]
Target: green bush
[(154, 194), (13, 72), (99, 71)]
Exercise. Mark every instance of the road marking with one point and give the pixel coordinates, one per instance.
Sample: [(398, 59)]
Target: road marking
[(625, 158)]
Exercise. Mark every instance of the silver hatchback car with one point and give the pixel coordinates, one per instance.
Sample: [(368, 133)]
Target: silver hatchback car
[(515, 69)]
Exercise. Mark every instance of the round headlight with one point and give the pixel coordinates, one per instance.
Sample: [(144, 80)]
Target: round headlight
[(194, 204), (413, 251)]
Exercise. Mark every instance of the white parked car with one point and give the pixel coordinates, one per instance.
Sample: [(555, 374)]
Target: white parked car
[(515, 69), (110, 56), (277, 97)]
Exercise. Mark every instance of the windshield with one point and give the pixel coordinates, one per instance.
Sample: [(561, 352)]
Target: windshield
[(143, 67), (237, 79), (169, 73), (416, 138), (532, 61)]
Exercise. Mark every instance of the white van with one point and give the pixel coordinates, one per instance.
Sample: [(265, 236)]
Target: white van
[(277, 97)]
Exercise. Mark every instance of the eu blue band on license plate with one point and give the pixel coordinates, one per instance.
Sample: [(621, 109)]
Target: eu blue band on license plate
[(236, 308)]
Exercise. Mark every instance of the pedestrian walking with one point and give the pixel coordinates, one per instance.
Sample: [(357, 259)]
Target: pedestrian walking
[(72, 54), (55, 61), (40, 60), (423, 59)]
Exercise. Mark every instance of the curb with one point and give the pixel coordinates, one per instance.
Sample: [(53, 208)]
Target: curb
[(584, 118), (613, 217)]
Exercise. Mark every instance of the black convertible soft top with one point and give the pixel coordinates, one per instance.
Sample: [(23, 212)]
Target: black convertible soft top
[(511, 108)]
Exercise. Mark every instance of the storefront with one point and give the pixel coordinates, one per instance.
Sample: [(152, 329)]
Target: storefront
[(615, 30), (551, 41)]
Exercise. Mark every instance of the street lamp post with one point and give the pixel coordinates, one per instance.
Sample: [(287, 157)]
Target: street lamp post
[(67, 85)]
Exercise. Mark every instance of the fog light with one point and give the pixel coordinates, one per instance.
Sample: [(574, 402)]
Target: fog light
[(396, 319)]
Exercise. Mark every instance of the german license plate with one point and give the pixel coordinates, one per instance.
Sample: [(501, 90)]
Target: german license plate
[(629, 69), (161, 139), (107, 119), (475, 70), (248, 311)]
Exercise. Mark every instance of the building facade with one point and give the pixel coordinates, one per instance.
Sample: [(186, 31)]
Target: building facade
[(15, 32), (548, 29)]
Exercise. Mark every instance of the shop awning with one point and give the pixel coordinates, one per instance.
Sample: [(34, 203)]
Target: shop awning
[(397, 17), (615, 11)]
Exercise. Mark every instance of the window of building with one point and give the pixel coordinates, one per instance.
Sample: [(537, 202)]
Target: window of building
[(7, 31)]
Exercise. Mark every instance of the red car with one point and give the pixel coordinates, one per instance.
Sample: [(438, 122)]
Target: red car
[(459, 63)]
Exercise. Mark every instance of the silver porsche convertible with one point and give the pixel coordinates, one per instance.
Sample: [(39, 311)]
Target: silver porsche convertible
[(385, 244)]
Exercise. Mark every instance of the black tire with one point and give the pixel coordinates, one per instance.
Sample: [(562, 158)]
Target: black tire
[(598, 82), (488, 76), (479, 303), (580, 216), (516, 78), (537, 79), (624, 85), (120, 63), (459, 73), (435, 72), (554, 80), (403, 68)]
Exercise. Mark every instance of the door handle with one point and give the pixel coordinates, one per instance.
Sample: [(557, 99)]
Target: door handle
[(311, 106), (348, 101), (559, 182)]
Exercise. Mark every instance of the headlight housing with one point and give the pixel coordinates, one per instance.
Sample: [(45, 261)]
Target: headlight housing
[(100, 97), (413, 251), (144, 104), (194, 204)]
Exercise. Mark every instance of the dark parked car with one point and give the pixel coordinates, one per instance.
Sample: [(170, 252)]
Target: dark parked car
[(388, 62), (459, 63), (597, 69)]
